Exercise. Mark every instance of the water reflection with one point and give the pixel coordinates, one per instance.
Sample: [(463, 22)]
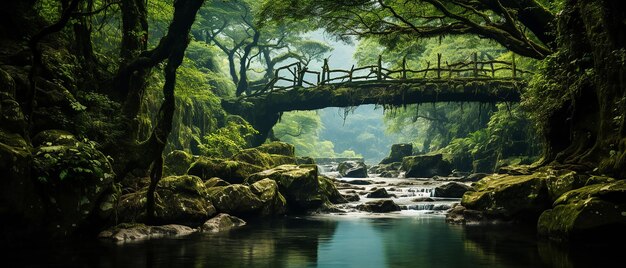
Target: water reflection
[(420, 241)]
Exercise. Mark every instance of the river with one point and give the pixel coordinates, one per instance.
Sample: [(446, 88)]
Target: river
[(417, 236)]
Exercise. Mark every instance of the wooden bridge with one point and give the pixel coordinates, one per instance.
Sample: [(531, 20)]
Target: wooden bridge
[(295, 87)]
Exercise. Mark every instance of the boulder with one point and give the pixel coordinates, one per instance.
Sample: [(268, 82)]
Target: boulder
[(228, 170), (595, 212), (398, 152), (351, 197), (126, 232), (451, 189), (389, 174), (561, 181), (178, 199), (426, 166), (215, 182), (379, 206), (509, 197), (474, 177), (278, 148), (273, 201), (299, 185), (358, 182), (256, 157), (379, 193), (352, 169), (177, 163), (72, 177), (222, 222), (235, 199), (305, 160), (329, 191)]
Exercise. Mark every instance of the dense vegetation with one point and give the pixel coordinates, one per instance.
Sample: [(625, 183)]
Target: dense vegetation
[(95, 93)]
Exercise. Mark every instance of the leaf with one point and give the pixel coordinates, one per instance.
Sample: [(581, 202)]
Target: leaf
[(63, 174)]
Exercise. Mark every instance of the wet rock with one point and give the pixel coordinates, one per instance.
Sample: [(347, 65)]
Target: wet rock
[(228, 170), (178, 199), (451, 189), (474, 177), (235, 199), (595, 212), (359, 182), (425, 166), (352, 169), (222, 222), (379, 206), (379, 193), (177, 163), (299, 185), (274, 203), (329, 191), (423, 199), (353, 197), (390, 174), (215, 182), (509, 197), (398, 151), (135, 232)]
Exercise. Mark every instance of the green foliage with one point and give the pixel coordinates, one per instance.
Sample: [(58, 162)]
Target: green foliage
[(228, 140)]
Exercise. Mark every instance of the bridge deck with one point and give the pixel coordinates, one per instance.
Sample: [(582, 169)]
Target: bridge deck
[(385, 92)]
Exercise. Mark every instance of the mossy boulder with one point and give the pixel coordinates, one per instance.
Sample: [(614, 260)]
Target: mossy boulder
[(268, 192), (451, 189), (279, 148), (177, 163), (352, 169), (594, 212), (235, 199), (425, 166), (128, 232), (509, 197), (222, 222), (398, 152), (72, 177), (178, 199), (299, 185), (379, 206), (256, 157), (329, 191), (228, 170), (388, 169), (305, 160), (215, 182)]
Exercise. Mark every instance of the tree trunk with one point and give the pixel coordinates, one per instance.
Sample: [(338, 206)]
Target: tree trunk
[(242, 86)]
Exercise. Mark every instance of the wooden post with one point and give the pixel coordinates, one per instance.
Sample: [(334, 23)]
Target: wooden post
[(404, 68), (438, 65), (379, 74), (513, 64), (324, 71), (475, 64), (350, 74)]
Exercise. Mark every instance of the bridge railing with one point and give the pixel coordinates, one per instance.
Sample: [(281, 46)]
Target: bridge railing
[(295, 75)]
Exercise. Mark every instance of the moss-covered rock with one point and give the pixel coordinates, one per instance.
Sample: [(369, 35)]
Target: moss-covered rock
[(228, 170), (509, 197), (299, 185), (222, 222), (273, 201), (398, 152), (451, 189), (215, 182), (177, 163), (330, 192), (595, 212), (305, 160), (126, 232), (279, 148), (72, 176), (256, 157), (235, 199), (352, 169), (178, 199), (379, 206), (426, 166)]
